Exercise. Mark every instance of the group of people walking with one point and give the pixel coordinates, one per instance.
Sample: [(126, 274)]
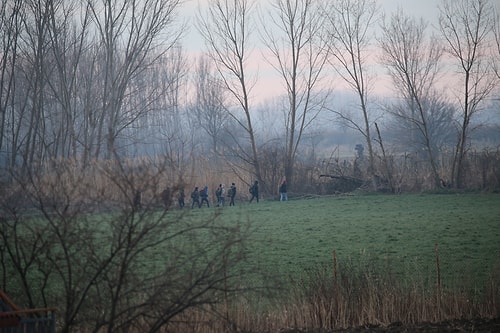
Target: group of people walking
[(200, 196)]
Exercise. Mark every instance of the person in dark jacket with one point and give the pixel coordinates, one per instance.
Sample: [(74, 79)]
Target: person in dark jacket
[(137, 200), (232, 193), (254, 191), (180, 198), (166, 197), (195, 198), (204, 196), (283, 193)]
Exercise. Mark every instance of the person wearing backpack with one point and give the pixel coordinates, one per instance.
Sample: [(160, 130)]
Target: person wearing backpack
[(221, 195), (204, 196), (254, 190), (195, 198), (231, 194)]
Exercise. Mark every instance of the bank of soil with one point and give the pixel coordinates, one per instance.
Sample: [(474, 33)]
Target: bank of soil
[(449, 326)]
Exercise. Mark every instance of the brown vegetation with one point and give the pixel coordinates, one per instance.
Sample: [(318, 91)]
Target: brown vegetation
[(64, 191), (358, 301)]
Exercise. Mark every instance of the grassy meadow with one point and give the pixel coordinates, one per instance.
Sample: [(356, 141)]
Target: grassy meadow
[(386, 250), (396, 234)]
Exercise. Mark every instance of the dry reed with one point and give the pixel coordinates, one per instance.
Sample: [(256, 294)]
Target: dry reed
[(354, 297)]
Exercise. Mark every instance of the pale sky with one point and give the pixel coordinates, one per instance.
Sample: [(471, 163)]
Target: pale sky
[(269, 84)]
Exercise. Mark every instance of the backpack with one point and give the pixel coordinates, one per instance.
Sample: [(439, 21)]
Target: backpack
[(251, 189), (204, 192), (218, 192)]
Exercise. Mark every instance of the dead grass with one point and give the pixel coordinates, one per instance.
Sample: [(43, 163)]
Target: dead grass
[(356, 298)]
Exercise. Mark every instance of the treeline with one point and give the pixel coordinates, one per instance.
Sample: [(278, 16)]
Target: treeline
[(90, 80)]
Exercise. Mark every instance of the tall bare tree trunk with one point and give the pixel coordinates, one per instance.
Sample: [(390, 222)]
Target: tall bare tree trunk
[(467, 27), (225, 27), (349, 37), (35, 146), (413, 66), (299, 56), (10, 26), (129, 32)]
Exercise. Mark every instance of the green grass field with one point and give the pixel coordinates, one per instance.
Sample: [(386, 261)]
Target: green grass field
[(395, 233), (385, 248)]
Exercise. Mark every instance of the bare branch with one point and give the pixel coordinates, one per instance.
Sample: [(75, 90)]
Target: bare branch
[(349, 37), (467, 27), (225, 26), (299, 56)]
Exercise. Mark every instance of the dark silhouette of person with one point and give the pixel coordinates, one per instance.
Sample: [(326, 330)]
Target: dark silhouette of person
[(232, 193), (166, 197), (137, 200), (221, 195), (283, 192), (254, 190), (180, 198), (204, 196), (195, 198)]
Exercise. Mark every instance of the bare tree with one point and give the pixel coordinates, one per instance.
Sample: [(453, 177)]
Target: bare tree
[(466, 26), (225, 26), (496, 31), (349, 35), (129, 32), (120, 266), (299, 56), (160, 95), (77, 74), (10, 25), (413, 65), (210, 105), (168, 130), (30, 133), (68, 38)]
